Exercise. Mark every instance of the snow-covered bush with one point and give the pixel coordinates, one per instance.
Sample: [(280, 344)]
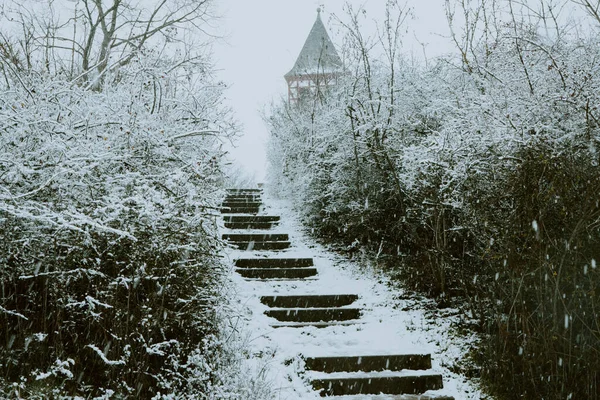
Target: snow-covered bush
[(480, 171), (110, 179)]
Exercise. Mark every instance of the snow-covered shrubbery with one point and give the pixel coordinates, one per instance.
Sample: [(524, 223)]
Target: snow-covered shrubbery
[(110, 178), (478, 174)]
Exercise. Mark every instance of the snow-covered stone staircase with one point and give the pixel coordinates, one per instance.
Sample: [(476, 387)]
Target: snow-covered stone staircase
[(251, 222), (393, 376), (279, 268), (258, 241)]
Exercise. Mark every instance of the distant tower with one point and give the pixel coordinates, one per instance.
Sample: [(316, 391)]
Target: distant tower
[(317, 68)]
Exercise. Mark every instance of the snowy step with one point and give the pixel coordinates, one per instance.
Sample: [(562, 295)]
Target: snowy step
[(249, 246), (241, 204), (251, 218), (256, 237), (315, 324), (244, 196), (369, 363), (243, 200), (250, 225), (241, 194), (240, 210), (425, 396), (309, 301), (373, 384), (243, 191), (274, 262), (277, 273), (314, 314)]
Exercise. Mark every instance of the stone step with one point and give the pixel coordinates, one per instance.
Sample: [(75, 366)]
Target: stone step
[(369, 363), (309, 301), (249, 246), (426, 396), (314, 324), (243, 191), (244, 196), (241, 204), (256, 237), (250, 225), (313, 314), (274, 262), (277, 273), (369, 384), (251, 218), (240, 210)]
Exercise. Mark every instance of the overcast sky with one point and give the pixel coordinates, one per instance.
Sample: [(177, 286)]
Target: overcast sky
[(264, 37)]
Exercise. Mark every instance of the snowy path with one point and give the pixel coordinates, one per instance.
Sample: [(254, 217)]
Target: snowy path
[(387, 326)]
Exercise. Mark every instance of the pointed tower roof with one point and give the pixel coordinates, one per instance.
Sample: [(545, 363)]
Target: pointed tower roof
[(318, 54)]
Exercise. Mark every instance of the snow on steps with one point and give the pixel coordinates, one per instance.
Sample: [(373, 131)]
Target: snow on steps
[(390, 383), (241, 202), (250, 225), (251, 218), (274, 262), (243, 191), (395, 374), (251, 222), (309, 301), (426, 396), (253, 241), (399, 376), (314, 314), (253, 237), (276, 273), (397, 362), (242, 199), (275, 268), (250, 246), (240, 210), (314, 324)]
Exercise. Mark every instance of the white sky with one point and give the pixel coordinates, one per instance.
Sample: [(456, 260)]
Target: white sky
[(264, 37)]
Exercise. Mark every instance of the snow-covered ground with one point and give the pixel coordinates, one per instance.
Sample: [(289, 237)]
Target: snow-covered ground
[(390, 323)]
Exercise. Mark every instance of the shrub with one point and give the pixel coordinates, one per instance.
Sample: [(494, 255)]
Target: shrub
[(473, 179)]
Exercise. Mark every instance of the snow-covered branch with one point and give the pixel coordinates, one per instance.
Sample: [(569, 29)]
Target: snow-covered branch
[(103, 356)]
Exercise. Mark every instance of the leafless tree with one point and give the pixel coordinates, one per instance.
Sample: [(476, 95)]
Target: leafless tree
[(592, 7), (91, 38)]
